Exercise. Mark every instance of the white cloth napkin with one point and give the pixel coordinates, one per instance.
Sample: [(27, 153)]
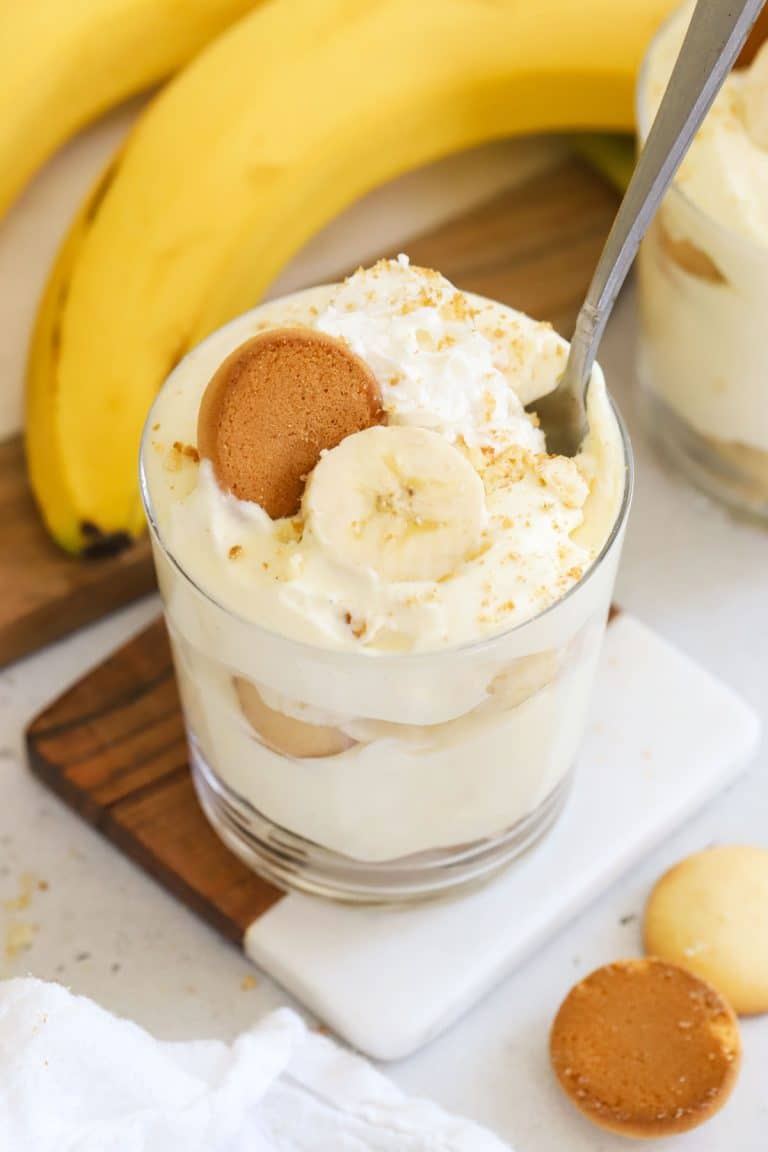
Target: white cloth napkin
[(74, 1078)]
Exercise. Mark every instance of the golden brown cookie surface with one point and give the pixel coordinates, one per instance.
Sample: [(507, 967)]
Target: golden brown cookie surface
[(272, 407), (710, 914), (645, 1048)]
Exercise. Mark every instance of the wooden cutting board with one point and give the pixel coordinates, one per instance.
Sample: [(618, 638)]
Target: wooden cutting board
[(44, 592), (113, 747), (534, 246)]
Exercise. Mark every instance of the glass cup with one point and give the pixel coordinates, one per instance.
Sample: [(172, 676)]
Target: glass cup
[(702, 358), (383, 777)]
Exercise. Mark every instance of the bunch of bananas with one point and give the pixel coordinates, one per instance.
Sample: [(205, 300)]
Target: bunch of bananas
[(293, 110)]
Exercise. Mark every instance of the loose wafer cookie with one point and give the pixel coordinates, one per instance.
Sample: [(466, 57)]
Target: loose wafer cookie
[(710, 913), (645, 1048)]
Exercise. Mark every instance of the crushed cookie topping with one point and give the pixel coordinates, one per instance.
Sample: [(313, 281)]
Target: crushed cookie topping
[(187, 450)]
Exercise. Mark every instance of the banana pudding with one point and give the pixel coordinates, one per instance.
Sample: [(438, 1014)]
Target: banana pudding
[(385, 679), (703, 277)]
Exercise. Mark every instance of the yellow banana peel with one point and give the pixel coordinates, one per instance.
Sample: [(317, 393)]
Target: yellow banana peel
[(64, 62)]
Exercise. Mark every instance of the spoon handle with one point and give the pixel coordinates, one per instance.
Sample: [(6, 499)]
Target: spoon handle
[(716, 35)]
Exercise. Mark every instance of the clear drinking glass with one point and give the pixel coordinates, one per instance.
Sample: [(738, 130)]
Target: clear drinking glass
[(703, 362), (383, 777)]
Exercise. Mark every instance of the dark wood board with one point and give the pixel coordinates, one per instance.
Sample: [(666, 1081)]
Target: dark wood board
[(113, 748), (533, 247)]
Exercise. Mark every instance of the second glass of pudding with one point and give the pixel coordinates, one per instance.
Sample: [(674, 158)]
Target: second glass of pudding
[(703, 283), (385, 691)]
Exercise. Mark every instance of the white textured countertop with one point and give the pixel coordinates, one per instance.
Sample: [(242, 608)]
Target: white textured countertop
[(72, 909)]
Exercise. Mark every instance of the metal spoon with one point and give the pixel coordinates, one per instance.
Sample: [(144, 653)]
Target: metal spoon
[(715, 37)]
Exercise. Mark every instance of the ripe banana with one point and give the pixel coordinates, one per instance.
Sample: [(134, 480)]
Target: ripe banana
[(398, 499), (283, 121), (63, 62)]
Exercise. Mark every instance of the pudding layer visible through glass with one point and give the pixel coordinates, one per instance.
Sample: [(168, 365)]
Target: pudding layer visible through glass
[(703, 366), (383, 776)]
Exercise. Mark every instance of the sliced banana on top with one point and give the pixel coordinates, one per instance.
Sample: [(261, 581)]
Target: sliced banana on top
[(400, 500)]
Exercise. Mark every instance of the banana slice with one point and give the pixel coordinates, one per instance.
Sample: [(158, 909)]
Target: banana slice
[(285, 734), (397, 499)]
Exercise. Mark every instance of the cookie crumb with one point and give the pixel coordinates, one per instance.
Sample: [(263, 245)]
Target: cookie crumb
[(187, 450)]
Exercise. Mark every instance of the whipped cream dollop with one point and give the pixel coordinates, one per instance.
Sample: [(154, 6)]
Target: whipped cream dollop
[(447, 524), (725, 172)]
